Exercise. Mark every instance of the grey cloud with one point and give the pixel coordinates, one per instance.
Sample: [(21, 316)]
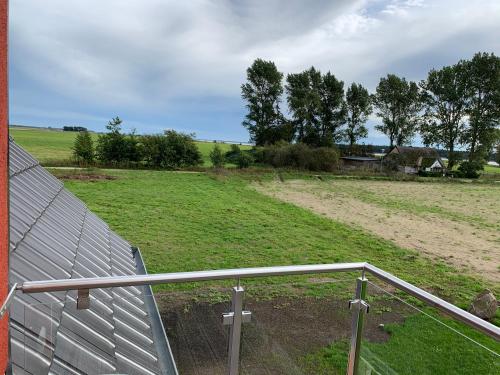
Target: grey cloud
[(148, 55)]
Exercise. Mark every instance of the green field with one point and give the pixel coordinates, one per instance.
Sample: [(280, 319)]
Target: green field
[(198, 221), (491, 169), (52, 146), (185, 221)]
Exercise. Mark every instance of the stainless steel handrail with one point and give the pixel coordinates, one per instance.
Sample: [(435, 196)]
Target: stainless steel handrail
[(241, 273)]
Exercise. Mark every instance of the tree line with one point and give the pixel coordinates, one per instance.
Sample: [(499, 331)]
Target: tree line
[(455, 106), (170, 150)]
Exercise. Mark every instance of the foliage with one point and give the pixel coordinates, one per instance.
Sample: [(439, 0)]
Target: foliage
[(112, 147), (83, 148), (217, 157), (262, 92), (398, 104), (244, 160), (171, 150), (232, 155), (470, 169), (317, 106), (358, 107), (445, 98), (483, 109), (299, 156)]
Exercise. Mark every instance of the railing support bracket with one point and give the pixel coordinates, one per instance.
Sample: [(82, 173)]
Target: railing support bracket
[(83, 299)]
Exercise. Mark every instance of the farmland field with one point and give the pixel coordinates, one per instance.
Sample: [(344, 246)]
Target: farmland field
[(196, 221), (442, 237), (457, 223), (52, 146)]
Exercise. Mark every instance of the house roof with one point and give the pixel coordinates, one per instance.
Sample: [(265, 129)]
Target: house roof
[(427, 162), (413, 156), (359, 158), (53, 235), (422, 151)]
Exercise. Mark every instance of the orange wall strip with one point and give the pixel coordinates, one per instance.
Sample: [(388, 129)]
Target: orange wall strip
[(4, 181)]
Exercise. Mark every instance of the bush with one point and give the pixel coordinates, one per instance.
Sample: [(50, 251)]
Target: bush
[(244, 160), (470, 169), (83, 148), (171, 150), (113, 147), (298, 156), (217, 157), (233, 154)]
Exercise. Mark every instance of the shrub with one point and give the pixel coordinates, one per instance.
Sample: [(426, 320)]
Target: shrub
[(298, 156), (112, 147), (244, 160), (470, 169), (83, 148), (171, 150), (217, 157), (233, 154)]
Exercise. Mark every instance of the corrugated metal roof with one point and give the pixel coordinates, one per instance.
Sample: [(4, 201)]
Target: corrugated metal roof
[(54, 236)]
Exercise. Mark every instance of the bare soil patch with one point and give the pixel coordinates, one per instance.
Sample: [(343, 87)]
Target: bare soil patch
[(283, 330), (87, 177), (470, 248)]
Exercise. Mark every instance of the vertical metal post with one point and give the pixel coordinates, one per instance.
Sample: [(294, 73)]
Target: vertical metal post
[(235, 331), (360, 307)]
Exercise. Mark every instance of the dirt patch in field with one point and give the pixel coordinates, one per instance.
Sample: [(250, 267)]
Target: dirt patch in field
[(458, 243), (282, 331), (87, 177)]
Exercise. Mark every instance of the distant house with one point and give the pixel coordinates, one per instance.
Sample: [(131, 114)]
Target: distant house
[(413, 160), (357, 162)]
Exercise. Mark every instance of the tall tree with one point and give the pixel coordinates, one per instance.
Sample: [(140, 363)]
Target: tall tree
[(262, 92), (333, 109), (398, 105), (483, 111), (317, 106), (359, 107), (304, 102), (445, 96)]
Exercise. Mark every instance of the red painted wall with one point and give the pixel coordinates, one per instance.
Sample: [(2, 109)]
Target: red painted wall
[(4, 181)]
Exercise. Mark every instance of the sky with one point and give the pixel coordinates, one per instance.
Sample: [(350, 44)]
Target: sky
[(161, 64)]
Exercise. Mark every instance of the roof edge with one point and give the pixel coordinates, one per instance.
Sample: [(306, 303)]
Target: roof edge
[(162, 345)]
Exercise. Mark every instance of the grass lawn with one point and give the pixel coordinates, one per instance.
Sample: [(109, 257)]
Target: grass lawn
[(45, 144), (54, 145), (198, 221), (491, 169), (195, 221)]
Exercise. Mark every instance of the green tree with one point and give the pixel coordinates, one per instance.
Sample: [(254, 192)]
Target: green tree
[(83, 147), (217, 157), (304, 102), (483, 73), (262, 93), (112, 146), (333, 110), (171, 150), (398, 105), (359, 107), (445, 96), (317, 105)]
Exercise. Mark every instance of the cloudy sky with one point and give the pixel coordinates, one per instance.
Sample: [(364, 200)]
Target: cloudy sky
[(179, 64)]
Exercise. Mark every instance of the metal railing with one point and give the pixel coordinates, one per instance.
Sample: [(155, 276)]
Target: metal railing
[(237, 316)]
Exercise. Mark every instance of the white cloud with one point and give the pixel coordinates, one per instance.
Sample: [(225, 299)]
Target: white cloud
[(146, 56)]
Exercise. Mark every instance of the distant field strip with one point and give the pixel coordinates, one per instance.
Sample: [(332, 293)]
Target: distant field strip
[(454, 223), (49, 145)]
